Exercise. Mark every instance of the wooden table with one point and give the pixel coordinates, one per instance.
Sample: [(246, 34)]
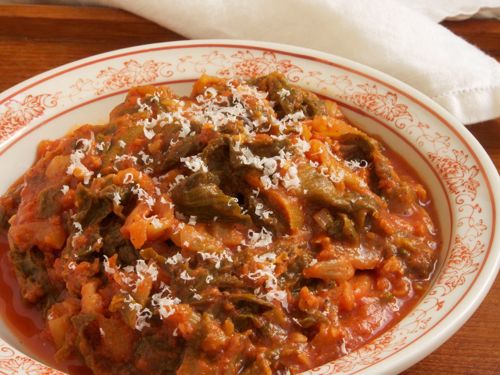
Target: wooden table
[(37, 38)]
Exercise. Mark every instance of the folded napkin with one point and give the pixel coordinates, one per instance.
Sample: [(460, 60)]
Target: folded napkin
[(401, 38)]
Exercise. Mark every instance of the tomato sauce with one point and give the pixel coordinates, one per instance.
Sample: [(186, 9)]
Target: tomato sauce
[(256, 234), (26, 322)]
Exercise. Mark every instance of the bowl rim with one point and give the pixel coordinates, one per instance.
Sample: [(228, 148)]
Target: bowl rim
[(478, 288)]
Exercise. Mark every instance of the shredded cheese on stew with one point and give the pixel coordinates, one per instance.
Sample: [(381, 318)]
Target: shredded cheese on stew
[(247, 228)]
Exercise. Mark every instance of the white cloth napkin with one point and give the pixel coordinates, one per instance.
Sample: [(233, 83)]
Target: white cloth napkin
[(388, 35), (399, 37)]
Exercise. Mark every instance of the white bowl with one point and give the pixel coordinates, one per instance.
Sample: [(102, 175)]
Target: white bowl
[(458, 172)]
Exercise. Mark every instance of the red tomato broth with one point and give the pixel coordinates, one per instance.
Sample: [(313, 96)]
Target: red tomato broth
[(389, 317), (26, 322), (364, 314)]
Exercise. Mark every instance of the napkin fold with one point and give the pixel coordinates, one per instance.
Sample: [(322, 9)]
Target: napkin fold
[(439, 10), (401, 38)]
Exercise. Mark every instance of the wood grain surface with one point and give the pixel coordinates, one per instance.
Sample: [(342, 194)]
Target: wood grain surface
[(35, 38)]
